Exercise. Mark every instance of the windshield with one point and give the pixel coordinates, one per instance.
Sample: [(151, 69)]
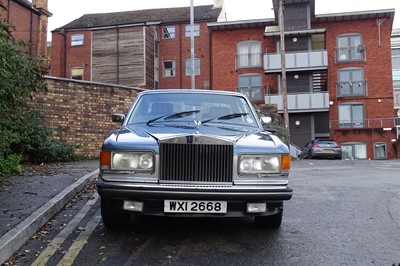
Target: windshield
[(189, 107)]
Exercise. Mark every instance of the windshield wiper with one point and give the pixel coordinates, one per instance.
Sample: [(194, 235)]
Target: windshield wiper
[(225, 117), (172, 116)]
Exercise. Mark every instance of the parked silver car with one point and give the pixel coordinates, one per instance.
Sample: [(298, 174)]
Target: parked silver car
[(321, 148)]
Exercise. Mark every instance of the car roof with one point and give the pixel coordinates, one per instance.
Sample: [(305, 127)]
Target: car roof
[(169, 91)]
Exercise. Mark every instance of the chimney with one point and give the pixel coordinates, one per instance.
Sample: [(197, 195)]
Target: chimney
[(42, 4), (220, 4)]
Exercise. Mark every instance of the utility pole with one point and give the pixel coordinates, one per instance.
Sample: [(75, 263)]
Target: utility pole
[(284, 84), (192, 44)]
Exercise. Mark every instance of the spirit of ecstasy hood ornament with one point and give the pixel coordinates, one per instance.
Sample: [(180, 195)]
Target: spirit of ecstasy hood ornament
[(197, 123)]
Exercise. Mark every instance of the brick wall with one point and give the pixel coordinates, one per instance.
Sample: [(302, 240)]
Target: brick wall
[(80, 112)]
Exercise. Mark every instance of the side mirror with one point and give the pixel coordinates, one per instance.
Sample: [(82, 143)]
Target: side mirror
[(267, 124), (118, 118), (266, 120)]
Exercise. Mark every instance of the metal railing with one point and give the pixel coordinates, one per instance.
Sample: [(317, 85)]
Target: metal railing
[(353, 53), (365, 123), (351, 88), (301, 101), (297, 60)]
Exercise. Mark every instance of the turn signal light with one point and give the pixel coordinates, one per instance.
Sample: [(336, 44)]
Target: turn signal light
[(285, 162), (105, 160)]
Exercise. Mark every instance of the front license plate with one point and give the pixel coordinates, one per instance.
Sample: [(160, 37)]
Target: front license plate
[(194, 206)]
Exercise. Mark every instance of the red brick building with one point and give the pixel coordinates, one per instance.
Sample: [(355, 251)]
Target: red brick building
[(338, 70), (143, 48), (338, 66), (30, 22)]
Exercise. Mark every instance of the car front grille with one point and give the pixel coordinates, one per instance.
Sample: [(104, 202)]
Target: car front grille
[(196, 163)]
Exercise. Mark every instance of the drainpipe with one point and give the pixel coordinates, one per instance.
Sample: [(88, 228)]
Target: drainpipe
[(180, 57), (8, 11), (62, 32), (30, 34), (116, 27), (210, 57)]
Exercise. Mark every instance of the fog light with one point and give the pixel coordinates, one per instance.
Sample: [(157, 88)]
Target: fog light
[(256, 207), (133, 206)]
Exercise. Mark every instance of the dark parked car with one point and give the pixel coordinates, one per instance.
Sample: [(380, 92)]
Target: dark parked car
[(321, 148), (193, 153)]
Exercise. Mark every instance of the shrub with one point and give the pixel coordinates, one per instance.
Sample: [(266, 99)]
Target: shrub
[(38, 144), (10, 164)]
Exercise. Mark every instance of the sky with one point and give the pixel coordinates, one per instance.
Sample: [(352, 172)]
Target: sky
[(67, 11)]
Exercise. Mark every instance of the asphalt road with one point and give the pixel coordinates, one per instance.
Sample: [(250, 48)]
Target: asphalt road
[(341, 213)]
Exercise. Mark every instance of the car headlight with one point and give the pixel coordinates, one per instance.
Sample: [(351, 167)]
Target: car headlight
[(132, 161), (259, 164)]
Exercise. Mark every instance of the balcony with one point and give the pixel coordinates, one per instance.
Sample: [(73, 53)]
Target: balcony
[(295, 61), (396, 95), (364, 123), (301, 102)]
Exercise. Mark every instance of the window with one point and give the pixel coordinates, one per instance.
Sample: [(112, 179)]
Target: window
[(396, 68), (351, 82), (77, 73), (251, 86), (350, 48), (318, 42), (189, 67), (380, 150), (169, 68), (168, 32), (353, 151), (249, 54), (351, 115), (196, 30), (76, 39)]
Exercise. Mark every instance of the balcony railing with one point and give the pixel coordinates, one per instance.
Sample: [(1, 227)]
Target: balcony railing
[(396, 95), (349, 54), (301, 60), (351, 88), (301, 101), (364, 123)]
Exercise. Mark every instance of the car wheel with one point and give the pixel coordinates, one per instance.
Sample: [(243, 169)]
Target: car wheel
[(113, 219), (309, 156), (272, 221)]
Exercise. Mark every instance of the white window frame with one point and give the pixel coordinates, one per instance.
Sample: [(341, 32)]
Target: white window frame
[(168, 32), (77, 39), (196, 30), (249, 54), (376, 154), (169, 72), (347, 118), (253, 92), (354, 150), (76, 77), (355, 87), (350, 53), (188, 64)]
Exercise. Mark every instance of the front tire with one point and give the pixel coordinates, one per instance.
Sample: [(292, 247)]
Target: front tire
[(272, 221), (113, 219)]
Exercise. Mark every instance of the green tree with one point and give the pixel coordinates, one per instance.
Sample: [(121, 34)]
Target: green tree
[(21, 131)]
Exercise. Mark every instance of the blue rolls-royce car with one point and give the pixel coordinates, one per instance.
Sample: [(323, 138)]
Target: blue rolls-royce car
[(193, 153)]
